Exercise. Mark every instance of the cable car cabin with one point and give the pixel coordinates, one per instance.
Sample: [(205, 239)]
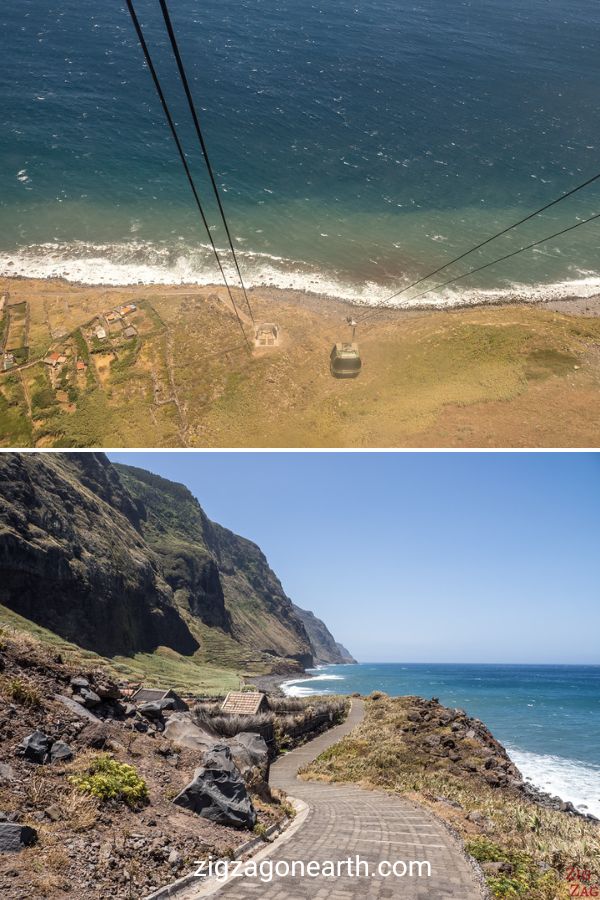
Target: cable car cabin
[(345, 361)]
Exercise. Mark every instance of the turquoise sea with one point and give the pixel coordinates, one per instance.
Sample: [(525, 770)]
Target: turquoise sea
[(357, 145), (548, 717)]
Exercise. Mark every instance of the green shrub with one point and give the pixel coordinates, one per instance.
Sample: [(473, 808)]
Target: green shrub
[(23, 693), (524, 877), (43, 399), (108, 779)]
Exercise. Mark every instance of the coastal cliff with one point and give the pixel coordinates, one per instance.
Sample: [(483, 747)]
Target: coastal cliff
[(72, 558), (326, 648), (221, 578), (120, 561)]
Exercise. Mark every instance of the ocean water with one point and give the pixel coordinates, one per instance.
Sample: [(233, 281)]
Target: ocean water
[(548, 717), (357, 145)]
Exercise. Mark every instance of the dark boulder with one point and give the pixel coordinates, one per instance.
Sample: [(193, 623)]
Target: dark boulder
[(90, 698), (78, 682), (250, 751), (35, 747), (153, 709), (96, 736), (108, 690), (492, 779), (217, 791), (567, 806), (75, 705), (446, 717), (14, 837), (60, 752)]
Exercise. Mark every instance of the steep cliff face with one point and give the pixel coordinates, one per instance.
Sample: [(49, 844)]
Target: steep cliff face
[(326, 648), (175, 526), (119, 560), (72, 559), (220, 577)]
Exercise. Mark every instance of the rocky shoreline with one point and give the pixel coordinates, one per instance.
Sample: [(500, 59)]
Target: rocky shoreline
[(526, 841), (430, 720), (272, 683)]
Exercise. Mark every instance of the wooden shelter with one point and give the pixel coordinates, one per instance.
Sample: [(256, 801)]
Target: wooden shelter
[(244, 703), (148, 695)]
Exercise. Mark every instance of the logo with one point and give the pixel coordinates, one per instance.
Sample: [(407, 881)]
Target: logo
[(580, 883)]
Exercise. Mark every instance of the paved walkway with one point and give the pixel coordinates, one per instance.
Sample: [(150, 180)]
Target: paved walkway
[(347, 821)]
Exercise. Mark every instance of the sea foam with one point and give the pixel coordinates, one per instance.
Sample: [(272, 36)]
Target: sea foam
[(301, 687), (568, 779), (139, 262)]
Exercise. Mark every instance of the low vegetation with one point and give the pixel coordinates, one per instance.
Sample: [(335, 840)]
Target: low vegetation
[(107, 779), (18, 690), (164, 668), (290, 721), (525, 848)]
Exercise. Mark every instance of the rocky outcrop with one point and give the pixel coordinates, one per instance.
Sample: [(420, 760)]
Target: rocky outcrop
[(465, 744), (325, 647), (248, 749), (218, 792)]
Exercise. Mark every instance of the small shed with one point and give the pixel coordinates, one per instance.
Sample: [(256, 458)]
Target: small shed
[(266, 335), (244, 703), (148, 695), (129, 332)]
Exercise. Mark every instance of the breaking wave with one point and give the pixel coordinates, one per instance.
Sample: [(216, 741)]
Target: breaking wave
[(139, 262), (300, 687), (568, 779)]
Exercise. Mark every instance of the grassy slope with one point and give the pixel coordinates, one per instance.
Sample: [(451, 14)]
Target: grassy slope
[(505, 376), (538, 844), (163, 668)]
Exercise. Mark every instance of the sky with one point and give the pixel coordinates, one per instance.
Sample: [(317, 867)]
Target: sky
[(420, 557)]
